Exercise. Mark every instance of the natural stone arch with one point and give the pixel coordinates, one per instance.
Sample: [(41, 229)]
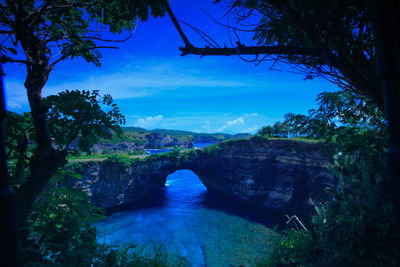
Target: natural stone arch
[(277, 174)]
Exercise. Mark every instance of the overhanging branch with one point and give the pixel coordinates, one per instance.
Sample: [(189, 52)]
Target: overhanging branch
[(177, 26), (241, 49)]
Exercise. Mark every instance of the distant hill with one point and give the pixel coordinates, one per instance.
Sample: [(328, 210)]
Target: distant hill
[(136, 134), (136, 139), (197, 137)]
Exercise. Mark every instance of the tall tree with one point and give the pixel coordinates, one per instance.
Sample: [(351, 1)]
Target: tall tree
[(49, 32)]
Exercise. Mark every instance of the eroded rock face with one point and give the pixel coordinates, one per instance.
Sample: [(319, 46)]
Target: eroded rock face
[(110, 185), (118, 147), (156, 140), (278, 174)]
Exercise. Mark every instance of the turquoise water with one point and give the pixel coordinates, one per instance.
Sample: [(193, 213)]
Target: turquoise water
[(187, 220)]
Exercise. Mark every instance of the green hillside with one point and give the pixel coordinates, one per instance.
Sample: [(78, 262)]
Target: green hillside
[(136, 134)]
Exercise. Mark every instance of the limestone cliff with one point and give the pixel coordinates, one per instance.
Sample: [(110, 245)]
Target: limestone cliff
[(278, 174), (157, 140), (102, 147)]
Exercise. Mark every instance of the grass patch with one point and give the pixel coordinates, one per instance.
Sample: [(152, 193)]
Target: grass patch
[(93, 156), (299, 139)]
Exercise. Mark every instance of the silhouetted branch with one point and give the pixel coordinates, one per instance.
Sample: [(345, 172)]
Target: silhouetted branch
[(79, 51), (202, 34), (177, 26), (225, 25), (6, 32), (241, 49)]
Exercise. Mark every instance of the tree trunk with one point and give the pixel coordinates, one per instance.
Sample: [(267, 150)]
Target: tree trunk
[(46, 160), (43, 164), (8, 231), (22, 148), (387, 47)]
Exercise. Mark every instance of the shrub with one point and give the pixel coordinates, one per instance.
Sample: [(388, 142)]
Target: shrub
[(212, 149), (356, 229), (60, 232), (122, 160)]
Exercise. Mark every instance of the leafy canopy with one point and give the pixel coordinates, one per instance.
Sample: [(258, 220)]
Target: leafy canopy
[(339, 114), (79, 114), (68, 28)]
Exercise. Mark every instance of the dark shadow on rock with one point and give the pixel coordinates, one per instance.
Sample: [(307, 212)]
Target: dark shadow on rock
[(267, 217)]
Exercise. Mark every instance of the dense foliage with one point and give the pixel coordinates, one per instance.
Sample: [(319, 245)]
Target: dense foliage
[(61, 233), (69, 28), (59, 228), (74, 116), (39, 35), (80, 116), (279, 129), (357, 227), (334, 40)]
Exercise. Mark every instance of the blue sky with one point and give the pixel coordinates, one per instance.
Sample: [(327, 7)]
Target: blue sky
[(157, 88)]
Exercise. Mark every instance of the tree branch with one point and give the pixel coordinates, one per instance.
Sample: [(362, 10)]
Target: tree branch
[(4, 59), (79, 51), (225, 25), (203, 35), (107, 40), (6, 32), (64, 37), (249, 50), (177, 26)]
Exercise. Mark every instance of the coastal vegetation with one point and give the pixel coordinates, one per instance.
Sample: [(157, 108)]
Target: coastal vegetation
[(59, 227), (357, 226), (61, 232)]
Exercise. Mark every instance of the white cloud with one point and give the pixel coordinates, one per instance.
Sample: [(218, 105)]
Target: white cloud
[(149, 122), (240, 124), (252, 129), (16, 97), (251, 114), (229, 124), (205, 122), (147, 79)]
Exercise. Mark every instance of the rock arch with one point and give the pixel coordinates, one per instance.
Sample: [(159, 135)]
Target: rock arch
[(277, 174)]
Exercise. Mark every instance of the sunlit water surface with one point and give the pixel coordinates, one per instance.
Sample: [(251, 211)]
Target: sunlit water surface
[(187, 220)]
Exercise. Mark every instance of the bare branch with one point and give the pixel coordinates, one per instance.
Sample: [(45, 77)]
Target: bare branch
[(107, 40), (177, 26), (249, 50), (225, 25), (202, 34), (88, 37)]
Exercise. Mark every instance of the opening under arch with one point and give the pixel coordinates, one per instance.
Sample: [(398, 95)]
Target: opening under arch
[(184, 190)]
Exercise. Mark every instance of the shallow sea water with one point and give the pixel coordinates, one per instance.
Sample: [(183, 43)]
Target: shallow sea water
[(187, 220)]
